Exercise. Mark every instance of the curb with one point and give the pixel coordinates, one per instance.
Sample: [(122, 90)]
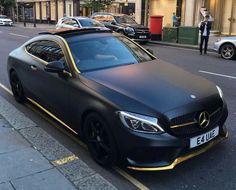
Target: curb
[(196, 47)]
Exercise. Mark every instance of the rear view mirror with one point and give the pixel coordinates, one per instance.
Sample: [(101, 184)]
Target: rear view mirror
[(54, 67)]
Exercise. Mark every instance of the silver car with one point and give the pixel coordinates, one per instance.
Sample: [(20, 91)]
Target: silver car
[(226, 47), (77, 22)]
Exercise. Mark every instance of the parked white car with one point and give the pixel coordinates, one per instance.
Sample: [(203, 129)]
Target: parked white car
[(4, 21), (77, 22), (226, 47)]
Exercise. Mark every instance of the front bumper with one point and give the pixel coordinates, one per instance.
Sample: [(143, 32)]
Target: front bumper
[(6, 23), (152, 152), (143, 37), (184, 157), (216, 47)]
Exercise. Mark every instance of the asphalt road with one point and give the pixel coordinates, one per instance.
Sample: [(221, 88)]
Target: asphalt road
[(215, 169)]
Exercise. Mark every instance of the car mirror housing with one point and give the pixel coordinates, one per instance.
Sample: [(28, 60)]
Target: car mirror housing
[(54, 67)]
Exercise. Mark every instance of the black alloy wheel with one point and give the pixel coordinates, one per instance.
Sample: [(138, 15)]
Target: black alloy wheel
[(227, 51), (17, 88), (99, 140)]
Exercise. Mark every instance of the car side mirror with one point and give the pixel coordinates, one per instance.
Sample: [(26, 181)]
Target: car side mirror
[(54, 67), (150, 51), (113, 22), (76, 25)]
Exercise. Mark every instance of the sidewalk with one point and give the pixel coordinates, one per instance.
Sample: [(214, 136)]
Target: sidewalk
[(211, 42), (31, 159), (38, 26)]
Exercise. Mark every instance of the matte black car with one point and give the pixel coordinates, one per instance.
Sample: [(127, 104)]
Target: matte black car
[(128, 106), (124, 24)]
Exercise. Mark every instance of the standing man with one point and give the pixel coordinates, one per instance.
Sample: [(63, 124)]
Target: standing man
[(204, 27), (174, 20)]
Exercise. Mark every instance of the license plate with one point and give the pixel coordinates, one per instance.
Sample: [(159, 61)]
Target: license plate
[(204, 138), (142, 36)]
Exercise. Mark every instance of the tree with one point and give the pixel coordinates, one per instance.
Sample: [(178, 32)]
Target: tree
[(97, 5), (6, 5)]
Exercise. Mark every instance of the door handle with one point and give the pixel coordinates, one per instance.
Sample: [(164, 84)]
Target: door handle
[(33, 67)]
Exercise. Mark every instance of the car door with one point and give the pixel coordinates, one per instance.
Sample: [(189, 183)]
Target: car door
[(48, 89)]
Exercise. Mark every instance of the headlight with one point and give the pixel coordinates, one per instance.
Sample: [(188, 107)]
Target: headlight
[(129, 30), (140, 123), (220, 91)]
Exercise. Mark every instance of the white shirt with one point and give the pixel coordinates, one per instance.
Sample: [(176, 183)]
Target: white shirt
[(205, 30)]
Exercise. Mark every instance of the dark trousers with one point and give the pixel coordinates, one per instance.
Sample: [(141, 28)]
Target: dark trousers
[(204, 38)]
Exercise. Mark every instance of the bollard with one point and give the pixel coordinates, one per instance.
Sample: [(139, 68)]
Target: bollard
[(24, 24)]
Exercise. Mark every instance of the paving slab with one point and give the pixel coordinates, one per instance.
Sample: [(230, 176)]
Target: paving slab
[(21, 163), (16, 118), (95, 182), (6, 186), (46, 144), (48, 180), (11, 140)]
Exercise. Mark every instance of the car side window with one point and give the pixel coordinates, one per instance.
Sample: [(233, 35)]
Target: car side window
[(70, 22), (47, 51)]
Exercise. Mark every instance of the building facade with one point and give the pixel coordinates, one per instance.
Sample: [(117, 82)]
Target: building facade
[(223, 13), (45, 11)]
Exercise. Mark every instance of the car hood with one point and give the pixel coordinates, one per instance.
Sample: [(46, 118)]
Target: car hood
[(135, 26), (6, 19), (156, 84)]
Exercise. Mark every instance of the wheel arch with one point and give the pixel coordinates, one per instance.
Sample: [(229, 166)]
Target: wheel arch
[(224, 44)]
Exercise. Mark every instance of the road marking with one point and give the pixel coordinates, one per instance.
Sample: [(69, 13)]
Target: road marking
[(19, 35), (131, 179), (217, 74), (64, 160), (127, 176), (6, 89)]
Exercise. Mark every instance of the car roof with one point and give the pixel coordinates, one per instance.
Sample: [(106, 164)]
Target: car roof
[(74, 17), (66, 32)]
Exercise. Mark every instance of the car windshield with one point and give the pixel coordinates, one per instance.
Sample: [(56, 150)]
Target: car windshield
[(124, 19), (90, 22), (101, 52), (3, 16)]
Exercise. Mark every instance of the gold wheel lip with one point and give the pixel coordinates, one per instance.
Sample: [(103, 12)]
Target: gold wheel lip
[(184, 157)]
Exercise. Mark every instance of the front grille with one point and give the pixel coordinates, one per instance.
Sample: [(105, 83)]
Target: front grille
[(187, 125)]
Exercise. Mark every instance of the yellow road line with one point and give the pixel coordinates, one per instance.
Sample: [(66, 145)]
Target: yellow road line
[(131, 179), (6, 89), (64, 160), (128, 177)]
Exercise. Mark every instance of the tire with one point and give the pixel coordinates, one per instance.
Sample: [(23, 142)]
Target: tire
[(227, 51), (17, 88), (99, 140)]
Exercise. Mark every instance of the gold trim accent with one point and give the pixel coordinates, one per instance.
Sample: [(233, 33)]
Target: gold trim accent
[(183, 158), (213, 113), (136, 43), (70, 54), (182, 125), (192, 122), (50, 114)]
